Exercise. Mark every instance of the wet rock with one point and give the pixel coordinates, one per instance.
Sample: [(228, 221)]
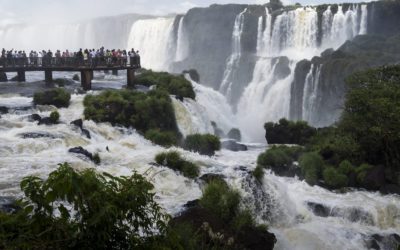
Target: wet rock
[(7, 204), (217, 131), (36, 135), (3, 77), (234, 134), (81, 151), (388, 241), (86, 133), (76, 78), (319, 209), (194, 75), (35, 118), (78, 123), (191, 204), (47, 121), (232, 145), (207, 178), (4, 110), (14, 79), (353, 214)]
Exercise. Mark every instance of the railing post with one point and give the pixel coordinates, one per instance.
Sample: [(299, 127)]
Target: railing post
[(48, 76), (86, 79), (21, 75), (130, 78), (115, 72)]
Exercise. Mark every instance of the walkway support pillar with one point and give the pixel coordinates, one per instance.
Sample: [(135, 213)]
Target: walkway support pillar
[(21, 76), (86, 79), (3, 77), (130, 78), (48, 76), (115, 72)]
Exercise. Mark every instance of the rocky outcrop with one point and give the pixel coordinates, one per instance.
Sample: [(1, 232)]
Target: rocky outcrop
[(79, 123), (232, 145)]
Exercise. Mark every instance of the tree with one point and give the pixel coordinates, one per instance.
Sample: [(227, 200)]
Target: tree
[(372, 114), (85, 210)]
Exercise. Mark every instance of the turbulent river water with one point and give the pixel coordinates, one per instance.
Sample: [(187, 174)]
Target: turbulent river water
[(301, 216)]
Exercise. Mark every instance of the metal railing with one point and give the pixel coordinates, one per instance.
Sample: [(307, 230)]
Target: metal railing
[(70, 62)]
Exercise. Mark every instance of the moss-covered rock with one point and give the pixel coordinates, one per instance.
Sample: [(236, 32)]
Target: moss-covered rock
[(288, 132), (174, 84), (165, 139), (58, 97), (205, 144), (174, 161)]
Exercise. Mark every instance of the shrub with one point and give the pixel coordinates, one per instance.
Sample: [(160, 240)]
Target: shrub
[(311, 164), (220, 200), (203, 144), (143, 111), (165, 139), (288, 132), (345, 167), (258, 173), (54, 117), (84, 210), (334, 179), (174, 161), (279, 159), (361, 171), (58, 97), (174, 84)]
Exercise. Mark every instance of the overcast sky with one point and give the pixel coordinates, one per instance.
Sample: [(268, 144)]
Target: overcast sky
[(66, 10)]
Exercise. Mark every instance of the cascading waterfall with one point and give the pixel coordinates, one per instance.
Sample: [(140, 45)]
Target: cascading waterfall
[(233, 61), (310, 93), (364, 19), (182, 49), (154, 39)]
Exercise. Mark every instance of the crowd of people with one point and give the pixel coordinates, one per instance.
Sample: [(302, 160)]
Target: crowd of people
[(88, 57)]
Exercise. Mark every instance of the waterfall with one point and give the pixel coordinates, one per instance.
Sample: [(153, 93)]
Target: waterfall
[(264, 36), (233, 61), (310, 93), (182, 47), (364, 19), (154, 39)]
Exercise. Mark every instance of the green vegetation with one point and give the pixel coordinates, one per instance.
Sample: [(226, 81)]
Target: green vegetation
[(54, 117), (174, 84), (288, 132), (334, 179), (165, 139), (367, 135), (203, 144), (58, 97), (150, 113), (311, 166), (174, 161), (85, 210)]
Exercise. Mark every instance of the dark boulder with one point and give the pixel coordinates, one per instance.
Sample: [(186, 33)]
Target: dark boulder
[(76, 78), (78, 123), (47, 121), (232, 145), (319, 209), (194, 75), (4, 110), (35, 118), (3, 77), (217, 131), (86, 133), (81, 151), (388, 241), (36, 135), (191, 204), (234, 134)]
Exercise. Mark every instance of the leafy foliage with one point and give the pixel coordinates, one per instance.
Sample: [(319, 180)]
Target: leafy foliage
[(54, 116), (58, 97), (334, 179), (174, 161), (288, 132), (311, 166), (86, 210), (151, 111), (203, 144), (165, 139), (174, 84)]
